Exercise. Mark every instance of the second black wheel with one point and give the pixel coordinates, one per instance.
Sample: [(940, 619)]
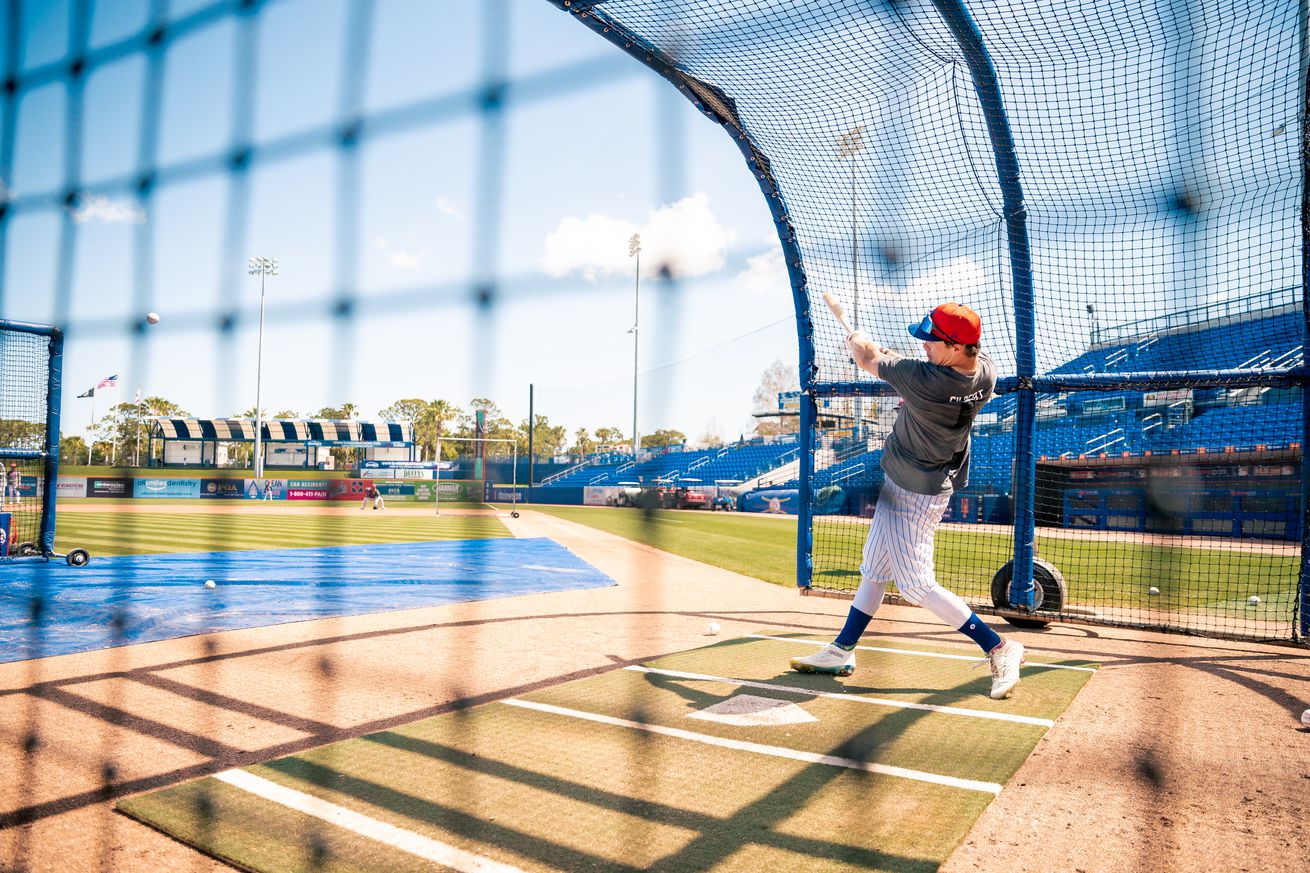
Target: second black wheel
[(1049, 595)]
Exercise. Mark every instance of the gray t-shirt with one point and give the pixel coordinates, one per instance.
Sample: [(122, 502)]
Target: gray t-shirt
[(928, 449)]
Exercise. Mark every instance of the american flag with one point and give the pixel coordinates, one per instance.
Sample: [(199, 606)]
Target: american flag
[(108, 382)]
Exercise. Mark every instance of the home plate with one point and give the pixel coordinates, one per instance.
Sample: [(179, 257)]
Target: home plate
[(747, 710)]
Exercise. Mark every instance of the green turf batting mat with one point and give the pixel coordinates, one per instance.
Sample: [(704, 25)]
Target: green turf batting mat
[(718, 758)]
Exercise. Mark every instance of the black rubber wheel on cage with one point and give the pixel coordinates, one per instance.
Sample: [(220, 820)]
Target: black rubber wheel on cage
[(27, 550), (1049, 596), (514, 514), (78, 558)]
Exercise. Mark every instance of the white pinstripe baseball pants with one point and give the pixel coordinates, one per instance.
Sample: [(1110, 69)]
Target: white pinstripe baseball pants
[(900, 548)]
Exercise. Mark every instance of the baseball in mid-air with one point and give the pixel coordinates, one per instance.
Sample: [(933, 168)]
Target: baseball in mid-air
[(1253, 600), (209, 583), (1305, 718), (152, 317), (1153, 590), (713, 629)]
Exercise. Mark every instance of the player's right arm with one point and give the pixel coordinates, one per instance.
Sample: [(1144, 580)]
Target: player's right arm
[(868, 354)]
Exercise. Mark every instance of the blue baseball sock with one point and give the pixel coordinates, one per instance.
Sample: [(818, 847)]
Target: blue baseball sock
[(856, 622), (980, 633)]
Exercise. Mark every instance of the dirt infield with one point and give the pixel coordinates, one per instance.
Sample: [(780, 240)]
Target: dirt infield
[(1181, 753)]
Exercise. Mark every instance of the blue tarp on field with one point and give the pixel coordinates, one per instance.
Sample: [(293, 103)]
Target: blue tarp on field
[(53, 609)]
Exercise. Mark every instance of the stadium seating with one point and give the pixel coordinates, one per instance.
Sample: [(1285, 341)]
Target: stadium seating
[(1070, 425), (737, 463), (1260, 342)]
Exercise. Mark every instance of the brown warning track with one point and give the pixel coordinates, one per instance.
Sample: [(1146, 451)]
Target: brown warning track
[(1179, 753)]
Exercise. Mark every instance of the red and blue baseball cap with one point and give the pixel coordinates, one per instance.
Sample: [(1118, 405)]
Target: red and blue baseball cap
[(950, 322)]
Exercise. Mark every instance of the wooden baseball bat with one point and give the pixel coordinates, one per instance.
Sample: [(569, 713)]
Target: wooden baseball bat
[(837, 311)]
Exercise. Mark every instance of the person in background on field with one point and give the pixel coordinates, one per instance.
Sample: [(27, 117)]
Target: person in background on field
[(15, 480), (268, 489), (372, 493), (924, 461)]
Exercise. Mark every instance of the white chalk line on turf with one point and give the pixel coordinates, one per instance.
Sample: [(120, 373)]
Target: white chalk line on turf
[(852, 698), (1027, 665), (761, 749), (390, 835)]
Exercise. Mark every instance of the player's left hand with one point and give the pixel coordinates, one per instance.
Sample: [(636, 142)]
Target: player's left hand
[(861, 347)]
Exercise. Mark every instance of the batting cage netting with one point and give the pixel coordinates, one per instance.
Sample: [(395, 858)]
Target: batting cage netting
[(1117, 191), (311, 259), (30, 363)]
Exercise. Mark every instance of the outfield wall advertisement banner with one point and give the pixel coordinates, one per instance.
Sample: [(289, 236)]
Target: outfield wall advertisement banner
[(307, 489), (454, 490), (403, 465), (108, 486), (166, 488), (223, 489), (347, 489), (254, 489), (599, 495), (400, 473), (505, 494), (283, 489)]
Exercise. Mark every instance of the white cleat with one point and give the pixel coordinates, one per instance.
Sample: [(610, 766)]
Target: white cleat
[(1005, 661), (831, 659)]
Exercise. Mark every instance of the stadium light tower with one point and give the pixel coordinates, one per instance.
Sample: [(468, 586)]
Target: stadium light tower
[(261, 267), (634, 251), (848, 145)]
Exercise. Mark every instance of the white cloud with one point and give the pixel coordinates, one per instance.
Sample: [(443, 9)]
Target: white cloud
[(405, 259), (766, 273), (685, 237), (446, 206), (94, 207)]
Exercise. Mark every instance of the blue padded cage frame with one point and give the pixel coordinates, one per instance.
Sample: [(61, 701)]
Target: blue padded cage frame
[(1026, 384)]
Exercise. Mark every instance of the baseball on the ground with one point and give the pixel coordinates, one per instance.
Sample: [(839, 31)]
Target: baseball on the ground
[(1305, 718), (1253, 600), (1153, 590), (713, 628), (152, 317), (209, 583)]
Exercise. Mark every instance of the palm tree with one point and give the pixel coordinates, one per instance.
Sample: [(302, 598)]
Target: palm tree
[(582, 442)]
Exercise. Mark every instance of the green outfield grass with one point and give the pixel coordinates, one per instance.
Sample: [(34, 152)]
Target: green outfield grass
[(147, 533), (403, 500), (753, 545), (1105, 572), (639, 769)]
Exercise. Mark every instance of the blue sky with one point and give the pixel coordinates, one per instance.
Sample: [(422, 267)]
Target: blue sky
[(587, 160), (1159, 165)]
